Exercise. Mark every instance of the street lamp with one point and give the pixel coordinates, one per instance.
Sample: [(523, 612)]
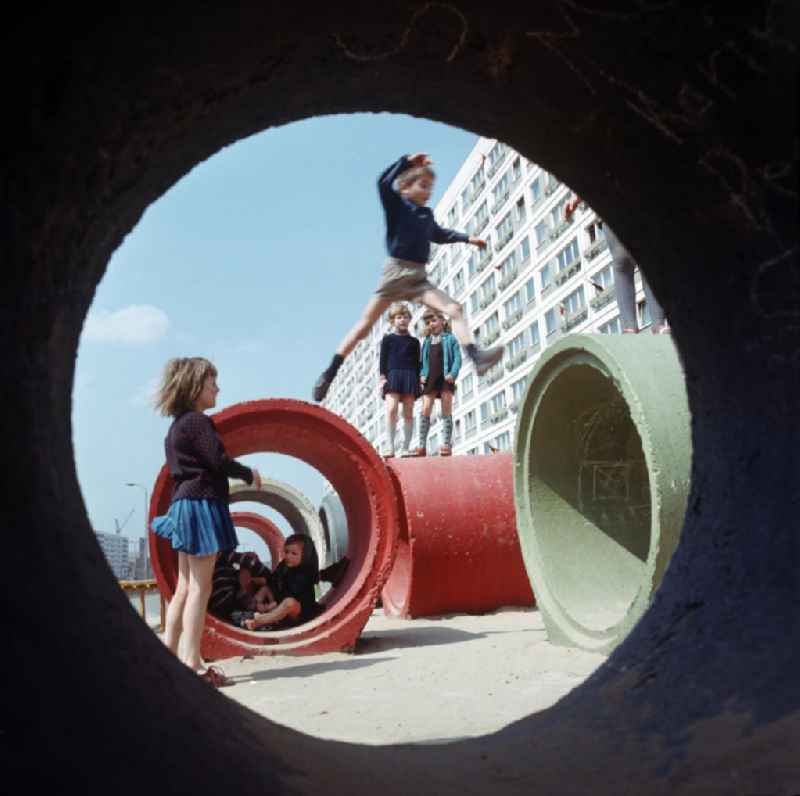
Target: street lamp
[(146, 545)]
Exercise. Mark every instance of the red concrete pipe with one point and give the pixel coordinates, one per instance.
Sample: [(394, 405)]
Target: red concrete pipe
[(359, 476), (267, 531), (458, 549)]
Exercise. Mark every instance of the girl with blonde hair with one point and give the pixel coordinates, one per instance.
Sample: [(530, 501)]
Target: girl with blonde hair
[(198, 523)]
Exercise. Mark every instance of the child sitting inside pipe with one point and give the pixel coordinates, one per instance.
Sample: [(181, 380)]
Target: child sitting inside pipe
[(287, 599)]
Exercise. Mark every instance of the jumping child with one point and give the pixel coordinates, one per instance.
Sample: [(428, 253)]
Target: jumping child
[(399, 374), (292, 585), (441, 361), (410, 228), (198, 523)]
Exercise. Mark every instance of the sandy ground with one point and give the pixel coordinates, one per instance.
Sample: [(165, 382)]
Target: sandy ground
[(425, 680)]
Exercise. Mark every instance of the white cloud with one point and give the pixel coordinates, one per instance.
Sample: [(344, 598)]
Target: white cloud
[(136, 324)]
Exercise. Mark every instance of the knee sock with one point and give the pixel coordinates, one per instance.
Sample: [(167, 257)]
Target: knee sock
[(424, 426), (447, 430), (391, 430), (408, 432), (333, 368)]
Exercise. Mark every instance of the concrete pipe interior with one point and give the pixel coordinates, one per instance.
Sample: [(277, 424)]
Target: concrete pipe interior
[(591, 495), (265, 529), (676, 122)]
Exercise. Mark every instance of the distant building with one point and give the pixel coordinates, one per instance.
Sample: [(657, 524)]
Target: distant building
[(539, 278), (115, 547), (140, 567)]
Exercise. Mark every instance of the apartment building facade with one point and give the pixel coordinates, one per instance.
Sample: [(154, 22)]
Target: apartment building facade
[(539, 278)]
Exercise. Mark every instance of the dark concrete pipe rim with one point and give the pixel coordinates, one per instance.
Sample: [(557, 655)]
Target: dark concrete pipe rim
[(334, 440), (586, 350)]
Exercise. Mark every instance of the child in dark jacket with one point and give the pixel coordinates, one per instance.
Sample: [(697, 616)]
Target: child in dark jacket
[(399, 375), (292, 585)]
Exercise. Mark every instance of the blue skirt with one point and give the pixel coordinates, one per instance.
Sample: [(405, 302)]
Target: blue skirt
[(403, 382), (197, 527)]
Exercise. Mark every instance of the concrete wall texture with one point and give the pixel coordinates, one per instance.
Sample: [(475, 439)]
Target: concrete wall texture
[(675, 121)]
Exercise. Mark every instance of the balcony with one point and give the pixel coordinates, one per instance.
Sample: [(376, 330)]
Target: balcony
[(500, 415), (492, 170), (475, 192), (471, 431), (456, 439), (487, 299), (485, 257), (508, 278), (492, 376), (548, 288), (595, 248), (554, 334), (503, 239), (531, 305), (575, 318), (551, 187), (512, 319), (490, 337), (478, 225), (500, 202), (603, 298), (567, 273), (517, 360), (560, 229)]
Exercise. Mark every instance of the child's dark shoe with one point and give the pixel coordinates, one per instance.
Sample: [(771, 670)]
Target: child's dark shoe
[(420, 452), (445, 450), (486, 358), (321, 387)]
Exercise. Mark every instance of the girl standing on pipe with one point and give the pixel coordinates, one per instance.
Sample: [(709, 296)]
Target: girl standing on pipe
[(441, 361), (198, 523), (399, 375)]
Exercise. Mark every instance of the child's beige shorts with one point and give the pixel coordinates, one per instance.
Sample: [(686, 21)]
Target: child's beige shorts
[(403, 280)]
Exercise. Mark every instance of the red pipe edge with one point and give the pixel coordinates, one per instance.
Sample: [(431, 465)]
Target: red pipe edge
[(458, 549), (359, 476), (266, 529)]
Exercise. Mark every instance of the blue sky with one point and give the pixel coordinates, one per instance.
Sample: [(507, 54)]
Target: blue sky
[(259, 259)]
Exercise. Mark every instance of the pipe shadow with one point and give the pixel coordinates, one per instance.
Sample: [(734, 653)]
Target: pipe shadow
[(307, 670), (383, 640)]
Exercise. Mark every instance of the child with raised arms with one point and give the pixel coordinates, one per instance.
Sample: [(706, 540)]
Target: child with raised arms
[(441, 361), (410, 229), (399, 374), (198, 523)]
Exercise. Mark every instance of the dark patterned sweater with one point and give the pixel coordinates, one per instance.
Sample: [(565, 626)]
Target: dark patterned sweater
[(197, 460)]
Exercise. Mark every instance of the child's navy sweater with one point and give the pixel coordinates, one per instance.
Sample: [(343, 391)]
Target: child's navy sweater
[(409, 227), (398, 352)]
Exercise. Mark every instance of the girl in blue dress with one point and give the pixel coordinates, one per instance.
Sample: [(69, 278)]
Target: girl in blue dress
[(198, 523), (399, 375)]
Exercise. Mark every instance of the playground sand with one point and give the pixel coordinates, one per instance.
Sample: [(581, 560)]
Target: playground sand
[(420, 681)]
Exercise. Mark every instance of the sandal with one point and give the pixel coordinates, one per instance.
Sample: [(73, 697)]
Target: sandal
[(215, 677), (445, 450), (420, 452)]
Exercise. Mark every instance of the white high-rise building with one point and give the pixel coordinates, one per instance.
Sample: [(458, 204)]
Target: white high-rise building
[(539, 278), (116, 549)]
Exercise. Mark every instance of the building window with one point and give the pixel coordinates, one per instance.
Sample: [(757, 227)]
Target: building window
[(492, 323), (474, 302), (498, 402), (542, 230), (467, 385), (458, 282), (520, 213), (486, 411), (546, 275), (574, 302), (612, 327), (516, 170), (603, 279), (518, 390), (470, 421), (524, 250), (533, 331), (513, 305), (644, 314), (516, 344), (503, 442), (530, 291), (536, 191), (452, 216), (568, 255), (550, 321)]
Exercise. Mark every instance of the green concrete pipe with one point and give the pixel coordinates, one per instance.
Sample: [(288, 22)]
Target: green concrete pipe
[(601, 477)]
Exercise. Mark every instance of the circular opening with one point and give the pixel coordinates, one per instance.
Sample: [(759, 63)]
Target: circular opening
[(590, 494)]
